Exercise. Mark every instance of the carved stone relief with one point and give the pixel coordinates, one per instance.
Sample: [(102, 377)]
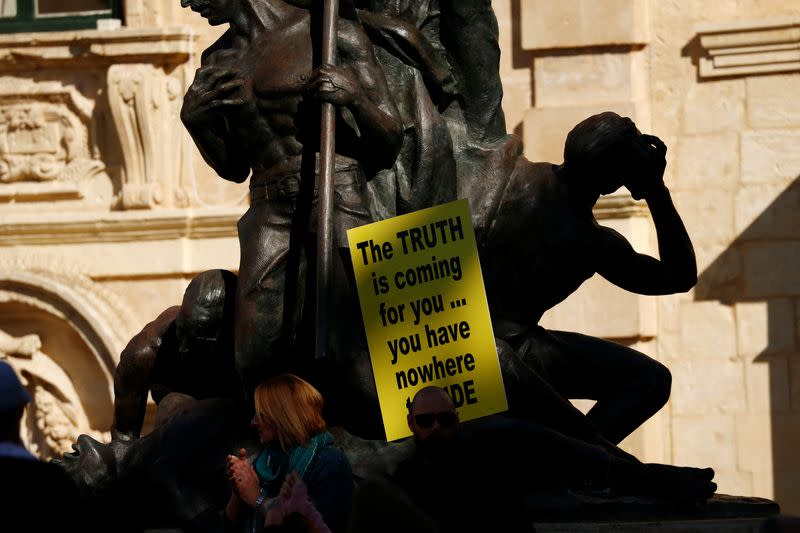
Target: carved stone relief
[(44, 143), (145, 103), (48, 132), (82, 328), (55, 417)]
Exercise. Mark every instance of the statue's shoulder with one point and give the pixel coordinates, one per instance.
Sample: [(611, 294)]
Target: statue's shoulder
[(152, 336), (223, 44)]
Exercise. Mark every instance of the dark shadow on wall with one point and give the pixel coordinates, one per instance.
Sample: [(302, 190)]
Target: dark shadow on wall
[(762, 265)]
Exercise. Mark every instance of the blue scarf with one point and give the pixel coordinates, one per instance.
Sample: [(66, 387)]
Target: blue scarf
[(274, 464)]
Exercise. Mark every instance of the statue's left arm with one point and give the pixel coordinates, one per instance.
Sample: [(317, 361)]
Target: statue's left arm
[(676, 270), (359, 86)]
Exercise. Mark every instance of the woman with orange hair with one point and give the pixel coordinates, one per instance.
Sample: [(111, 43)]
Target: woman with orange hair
[(290, 426)]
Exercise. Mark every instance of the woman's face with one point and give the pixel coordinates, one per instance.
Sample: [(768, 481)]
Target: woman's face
[(265, 429)]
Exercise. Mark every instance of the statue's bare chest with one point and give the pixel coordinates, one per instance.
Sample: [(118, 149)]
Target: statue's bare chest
[(567, 246), (281, 63)]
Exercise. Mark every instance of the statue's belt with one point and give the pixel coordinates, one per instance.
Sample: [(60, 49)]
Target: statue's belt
[(287, 187)]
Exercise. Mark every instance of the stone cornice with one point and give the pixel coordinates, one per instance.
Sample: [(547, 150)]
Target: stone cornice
[(749, 47), (38, 229), (157, 45)]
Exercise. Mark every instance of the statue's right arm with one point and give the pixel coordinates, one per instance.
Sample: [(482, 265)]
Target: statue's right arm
[(133, 376)]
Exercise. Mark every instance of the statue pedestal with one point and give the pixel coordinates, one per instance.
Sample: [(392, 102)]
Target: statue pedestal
[(737, 525), (723, 513)]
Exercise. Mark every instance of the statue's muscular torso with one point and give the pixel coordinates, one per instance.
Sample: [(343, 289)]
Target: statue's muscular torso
[(277, 119), (540, 248)]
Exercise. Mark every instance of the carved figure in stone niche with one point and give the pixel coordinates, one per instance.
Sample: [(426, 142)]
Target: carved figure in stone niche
[(544, 242), (253, 111), (56, 416), (186, 349)]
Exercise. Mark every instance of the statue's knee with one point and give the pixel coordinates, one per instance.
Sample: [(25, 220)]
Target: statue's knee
[(660, 384)]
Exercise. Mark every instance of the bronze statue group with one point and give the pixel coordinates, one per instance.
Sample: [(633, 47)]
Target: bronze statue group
[(419, 122)]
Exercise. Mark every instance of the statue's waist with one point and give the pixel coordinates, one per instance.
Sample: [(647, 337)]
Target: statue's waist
[(286, 185)]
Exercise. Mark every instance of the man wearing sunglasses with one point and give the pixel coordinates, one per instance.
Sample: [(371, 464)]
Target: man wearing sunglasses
[(426, 474), (447, 476)]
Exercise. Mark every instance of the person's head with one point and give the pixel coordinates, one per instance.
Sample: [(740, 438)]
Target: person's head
[(432, 418), (215, 11), (204, 326), (13, 399), (288, 411), (602, 153)]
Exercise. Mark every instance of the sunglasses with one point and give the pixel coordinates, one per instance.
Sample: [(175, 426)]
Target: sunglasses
[(446, 419)]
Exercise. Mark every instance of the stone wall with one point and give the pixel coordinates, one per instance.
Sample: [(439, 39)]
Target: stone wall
[(718, 82)]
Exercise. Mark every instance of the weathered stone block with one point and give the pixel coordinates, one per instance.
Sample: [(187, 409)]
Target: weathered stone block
[(785, 442), (770, 156), (767, 385), (703, 441), (714, 107), (589, 79), (734, 482), (577, 23), (719, 267), (546, 129), (768, 211), (668, 314), (771, 268), (708, 329), (786, 493), (767, 446), (707, 215), (754, 454), (708, 162), (601, 309), (767, 102), (794, 369), (148, 300), (670, 347), (765, 328), (703, 387), (517, 96)]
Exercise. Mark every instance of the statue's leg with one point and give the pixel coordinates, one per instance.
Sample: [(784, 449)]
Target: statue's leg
[(346, 381), (552, 459), (629, 387), (531, 398), (262, 344)]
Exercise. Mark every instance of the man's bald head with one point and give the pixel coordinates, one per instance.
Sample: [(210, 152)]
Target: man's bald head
[(431, 397), (433, 420)]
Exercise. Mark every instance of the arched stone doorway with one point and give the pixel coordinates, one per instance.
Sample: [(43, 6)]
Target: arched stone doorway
[(63, 335)]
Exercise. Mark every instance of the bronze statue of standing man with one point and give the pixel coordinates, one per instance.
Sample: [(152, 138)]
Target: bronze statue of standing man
[(253, 110)]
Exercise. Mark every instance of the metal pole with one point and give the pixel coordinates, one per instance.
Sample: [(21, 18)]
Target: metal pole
[(327, 169)]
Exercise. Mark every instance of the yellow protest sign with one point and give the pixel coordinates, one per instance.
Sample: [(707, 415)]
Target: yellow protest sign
[(425, 312)]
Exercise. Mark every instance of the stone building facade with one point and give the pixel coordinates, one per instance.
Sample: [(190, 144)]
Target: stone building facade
[(107, 210)]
